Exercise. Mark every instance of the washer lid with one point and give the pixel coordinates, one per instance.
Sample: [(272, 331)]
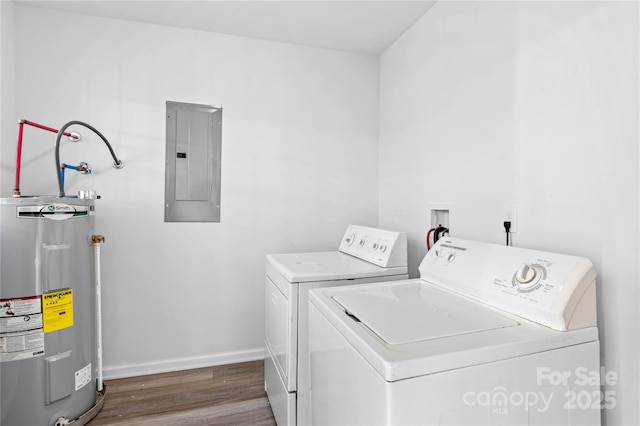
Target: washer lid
[(327, 266), (415, 312)]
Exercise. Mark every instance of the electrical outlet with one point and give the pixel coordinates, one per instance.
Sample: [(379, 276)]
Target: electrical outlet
[(510, 214)]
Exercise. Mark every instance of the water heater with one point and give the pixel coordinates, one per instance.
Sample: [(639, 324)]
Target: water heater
[(48, 348), (50, 322)]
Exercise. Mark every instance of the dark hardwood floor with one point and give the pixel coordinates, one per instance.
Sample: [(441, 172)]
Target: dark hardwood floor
[(222, 395)]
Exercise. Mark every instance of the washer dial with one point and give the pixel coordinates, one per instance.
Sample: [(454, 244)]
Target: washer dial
[(525, 274), (528, 277), (350, 239)]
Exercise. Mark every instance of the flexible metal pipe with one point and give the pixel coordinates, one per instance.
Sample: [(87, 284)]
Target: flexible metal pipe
[(116, 163)]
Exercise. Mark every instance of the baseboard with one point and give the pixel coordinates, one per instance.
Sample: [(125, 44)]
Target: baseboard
[(164, 366)]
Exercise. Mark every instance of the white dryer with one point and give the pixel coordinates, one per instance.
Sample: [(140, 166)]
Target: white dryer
[(365, 255), (488, 335)]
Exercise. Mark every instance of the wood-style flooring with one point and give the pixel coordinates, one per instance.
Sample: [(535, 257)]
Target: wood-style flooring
[(222, 395)]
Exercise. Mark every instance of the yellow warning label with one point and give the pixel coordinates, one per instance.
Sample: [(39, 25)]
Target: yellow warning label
[(57, 310)]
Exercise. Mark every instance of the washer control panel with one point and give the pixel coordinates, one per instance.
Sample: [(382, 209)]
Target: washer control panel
[(548, 288), (378, 246)]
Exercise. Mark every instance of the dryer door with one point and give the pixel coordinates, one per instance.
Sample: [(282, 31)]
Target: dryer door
[(281, 327)]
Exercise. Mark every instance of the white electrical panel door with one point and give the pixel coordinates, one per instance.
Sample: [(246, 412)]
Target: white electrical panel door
[(192, 174)]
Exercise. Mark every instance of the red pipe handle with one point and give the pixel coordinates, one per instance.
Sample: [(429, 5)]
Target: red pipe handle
[(43, 127)]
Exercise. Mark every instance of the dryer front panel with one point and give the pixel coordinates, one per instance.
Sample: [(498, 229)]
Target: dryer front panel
[(281, 328)]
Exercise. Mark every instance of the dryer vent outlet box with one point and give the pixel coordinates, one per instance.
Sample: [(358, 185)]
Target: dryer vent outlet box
[(192, 168)]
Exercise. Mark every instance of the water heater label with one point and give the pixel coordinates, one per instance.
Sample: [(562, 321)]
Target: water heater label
[(83, 377), (11, 308), (55, 211), (57, 310), (21, 332), (24, 345), (21, 323)]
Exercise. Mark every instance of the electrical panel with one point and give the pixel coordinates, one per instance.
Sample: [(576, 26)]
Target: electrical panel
[(192, 168)]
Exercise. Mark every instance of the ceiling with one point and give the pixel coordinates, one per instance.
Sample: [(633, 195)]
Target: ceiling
[(359, 26)]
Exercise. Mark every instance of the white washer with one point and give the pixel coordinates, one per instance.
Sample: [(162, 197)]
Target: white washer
[(365, 255), (488, 335)]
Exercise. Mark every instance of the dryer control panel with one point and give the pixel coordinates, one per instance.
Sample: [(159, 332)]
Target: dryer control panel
[(552, 289), (378, 246)]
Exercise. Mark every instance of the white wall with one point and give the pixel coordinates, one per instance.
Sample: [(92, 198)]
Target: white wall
[(7, 129), (483, 104), (299, 163)]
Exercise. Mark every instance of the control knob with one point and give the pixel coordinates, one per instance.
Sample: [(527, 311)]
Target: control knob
[(525, 274), (529, 277), (350, 239)]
